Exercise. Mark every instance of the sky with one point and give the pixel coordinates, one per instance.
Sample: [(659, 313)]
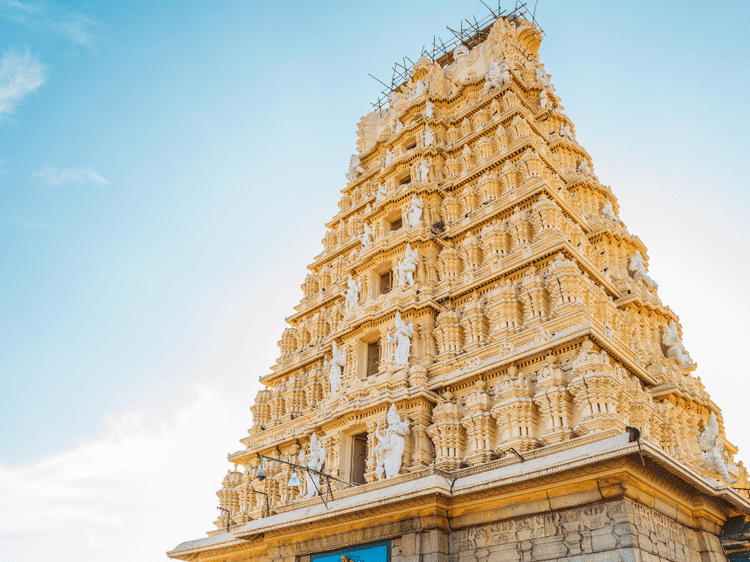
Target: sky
[(166, 170)]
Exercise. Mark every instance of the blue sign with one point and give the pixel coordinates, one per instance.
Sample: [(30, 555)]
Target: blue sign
[(373, 552)]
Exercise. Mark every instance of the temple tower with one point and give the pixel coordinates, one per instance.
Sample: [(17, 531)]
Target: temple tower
[(480, 358)]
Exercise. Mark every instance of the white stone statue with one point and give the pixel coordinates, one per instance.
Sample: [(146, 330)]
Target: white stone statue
[(565, 132), (406, 267), (381, 193), (585, 169), (414, 212), (674, 346), (399, 126), (315, 459), (543, 99), (713, 452), (609, 212), (394, 100), (367, 236), (424, 168), (542, 77), (402, 338), (638, 267), (388, 157), (419, 88), (429, 109), (428, 136), (352, 294), (498, 74), (354, 168), (389, 452), (338, 360)]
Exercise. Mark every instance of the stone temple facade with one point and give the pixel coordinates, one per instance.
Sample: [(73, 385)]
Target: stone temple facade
[(480, 357)]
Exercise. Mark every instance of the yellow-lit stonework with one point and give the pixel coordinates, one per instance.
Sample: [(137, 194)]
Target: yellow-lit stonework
[(475, 344)]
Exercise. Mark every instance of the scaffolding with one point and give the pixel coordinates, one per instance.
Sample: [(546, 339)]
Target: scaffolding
[(475, 32)]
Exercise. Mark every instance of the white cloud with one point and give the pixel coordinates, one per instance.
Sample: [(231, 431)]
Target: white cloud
[(147, 482), (20, 74), (34, 225), (77, 175), (48, 17)]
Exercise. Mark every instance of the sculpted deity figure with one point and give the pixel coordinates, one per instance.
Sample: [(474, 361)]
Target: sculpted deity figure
[(542, 77), (367, 236), (381, 193), (674, 346), (424, 168), (414, 212), (338, 360), (638, 267), (352, 294), (497, 75), (543, 99), (713, 452), (428, 136), (429, 109), (460, 53), (354, 168), (608, 212), (566, 133), (419, 88), (399, 126), (389, 452), (395, 101), (407, 266), (315, 459), (388, 157), (585, 169), (402, 338)]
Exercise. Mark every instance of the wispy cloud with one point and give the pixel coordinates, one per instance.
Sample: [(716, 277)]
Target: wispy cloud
[(33, 225), (81, 504), (48, 17), (24, 223), (20, 74), (76, 175)]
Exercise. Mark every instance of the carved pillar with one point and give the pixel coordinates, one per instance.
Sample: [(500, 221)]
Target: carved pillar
[(422, 450)]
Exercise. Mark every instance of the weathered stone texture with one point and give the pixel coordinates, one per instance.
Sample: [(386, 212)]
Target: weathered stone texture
[(616, 531)]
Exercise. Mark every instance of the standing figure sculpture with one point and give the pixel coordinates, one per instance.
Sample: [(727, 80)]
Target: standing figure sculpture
[(338, 360), (429, 109), (638, 267), (407, 266), (354, 168), (402, 339), (674, 346), (566, 133), (428, 136), (712, 450), (609, 212), (388, 157), (498, 74), (315, 459), (367, 236), (389, 453), (352, 294), (414, 212), (424, 169), (381, 193)]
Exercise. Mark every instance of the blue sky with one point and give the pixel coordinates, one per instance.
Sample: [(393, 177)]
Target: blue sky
[(166, 170)]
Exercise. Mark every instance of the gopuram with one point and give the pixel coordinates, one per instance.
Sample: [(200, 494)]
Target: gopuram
[(481, 368)]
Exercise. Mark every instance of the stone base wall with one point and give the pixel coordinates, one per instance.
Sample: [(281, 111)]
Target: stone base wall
[(618, 531)]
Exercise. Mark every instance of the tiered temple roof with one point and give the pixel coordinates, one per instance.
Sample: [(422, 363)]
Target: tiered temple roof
[(478, 284)]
